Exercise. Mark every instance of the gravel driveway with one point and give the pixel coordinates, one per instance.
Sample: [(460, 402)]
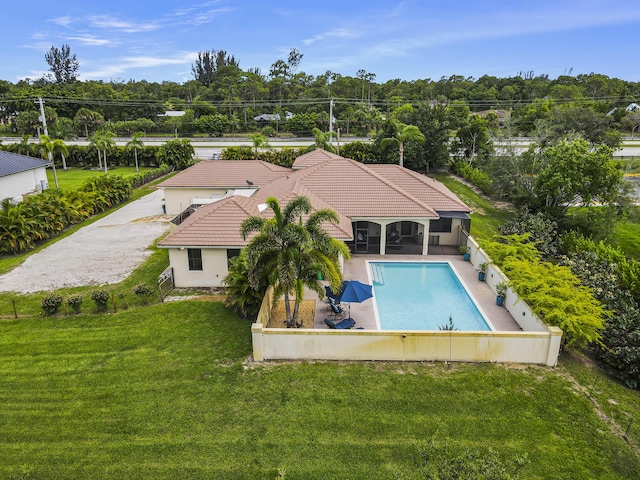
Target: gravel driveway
[(107, 251)]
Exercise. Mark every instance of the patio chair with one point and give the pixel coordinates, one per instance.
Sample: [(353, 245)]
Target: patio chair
[(335, 297), (337, 310), (343, 324)]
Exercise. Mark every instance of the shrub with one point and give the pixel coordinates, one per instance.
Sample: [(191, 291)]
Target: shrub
[(543, 230), (51, 304), (144, 291), (474, 175), (101, 299), (75, 303)]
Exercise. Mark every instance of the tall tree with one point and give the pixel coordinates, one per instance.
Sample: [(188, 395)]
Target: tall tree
[(208, 62), (290, 252), (402, 134), (134, 144), (575, 173), (103, 141), (62, 64)]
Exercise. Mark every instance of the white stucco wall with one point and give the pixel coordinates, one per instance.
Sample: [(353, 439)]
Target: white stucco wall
[(19, 184), (177, 199), (214, 268), (519, 347)]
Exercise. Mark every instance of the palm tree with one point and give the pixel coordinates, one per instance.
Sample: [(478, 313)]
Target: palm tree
[(322, 140), (103, 140), (289, 254), (54, 146), (48, 149), (259, 141), (401, 134), (134, 144)]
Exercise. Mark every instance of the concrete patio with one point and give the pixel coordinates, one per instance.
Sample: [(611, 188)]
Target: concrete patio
[(363, 313)]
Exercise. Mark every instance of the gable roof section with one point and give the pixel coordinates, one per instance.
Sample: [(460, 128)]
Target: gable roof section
[(426, 189), (355, 190), (214, 225), (342, 230), (218, 224), (226, 174), (11, 163), (313, 158)]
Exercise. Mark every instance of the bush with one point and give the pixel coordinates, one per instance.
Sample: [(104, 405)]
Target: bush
[(474, 175), (51, 304), (144, 291), (101, 299), (75, 303), (543, 230)]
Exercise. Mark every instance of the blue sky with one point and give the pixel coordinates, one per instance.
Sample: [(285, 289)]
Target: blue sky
[(406, 39)]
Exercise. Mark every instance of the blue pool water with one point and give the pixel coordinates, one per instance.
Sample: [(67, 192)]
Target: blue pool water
[(422, 296)]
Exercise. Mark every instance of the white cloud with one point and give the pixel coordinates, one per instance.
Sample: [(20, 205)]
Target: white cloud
[(109, 22), (335, 33), (63, 21), (207, 16), (91, 40)]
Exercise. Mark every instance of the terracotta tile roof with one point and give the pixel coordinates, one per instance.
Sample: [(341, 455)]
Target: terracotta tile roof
[(214, 225), (288, 188), (424, 188), (313, 158), (353, 189), (218, 224), (226, 174)]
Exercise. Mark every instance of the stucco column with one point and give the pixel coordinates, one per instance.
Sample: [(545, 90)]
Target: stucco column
[(256, 337), (383, 238), (425, 239)]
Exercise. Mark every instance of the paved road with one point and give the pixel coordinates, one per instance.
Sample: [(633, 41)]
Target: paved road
[(104, 252)]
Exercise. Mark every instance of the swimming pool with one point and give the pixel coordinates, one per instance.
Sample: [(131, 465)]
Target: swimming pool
[(422, 296)]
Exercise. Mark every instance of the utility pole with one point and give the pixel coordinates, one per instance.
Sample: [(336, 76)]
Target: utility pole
[(46, 132), (331, 122)]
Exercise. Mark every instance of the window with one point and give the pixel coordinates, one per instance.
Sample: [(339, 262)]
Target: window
[(195, 258), (442, 225), (232, 253)]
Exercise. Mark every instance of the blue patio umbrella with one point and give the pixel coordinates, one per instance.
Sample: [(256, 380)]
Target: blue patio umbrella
[(355, 291)]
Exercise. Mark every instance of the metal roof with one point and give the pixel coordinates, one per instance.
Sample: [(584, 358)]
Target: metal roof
[(11, 163)]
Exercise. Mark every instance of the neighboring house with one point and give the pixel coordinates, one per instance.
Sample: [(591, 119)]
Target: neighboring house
[(382, 209), (172, 113), (21, 175), (272, 117)]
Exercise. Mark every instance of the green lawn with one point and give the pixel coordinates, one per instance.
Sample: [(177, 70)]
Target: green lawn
[(486, 217), (73, 178), (164, 392)]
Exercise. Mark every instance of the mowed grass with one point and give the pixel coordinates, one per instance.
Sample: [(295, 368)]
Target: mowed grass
[(165, 392), (73, 178)]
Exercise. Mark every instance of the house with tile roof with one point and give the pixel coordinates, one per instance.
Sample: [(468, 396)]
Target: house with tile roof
[(21, 175), (382, 209)]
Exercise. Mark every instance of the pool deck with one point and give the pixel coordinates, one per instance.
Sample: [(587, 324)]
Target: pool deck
[(362, 313)]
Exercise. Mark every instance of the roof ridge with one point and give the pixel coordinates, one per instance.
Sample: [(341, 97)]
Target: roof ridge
[(389, 183)]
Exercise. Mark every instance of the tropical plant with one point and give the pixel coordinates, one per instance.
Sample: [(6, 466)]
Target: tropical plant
[(402, 134), (242, 297), (134, 144), (176, 153), (259, 141), (290, 253), (103, 141), (322, 140)]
